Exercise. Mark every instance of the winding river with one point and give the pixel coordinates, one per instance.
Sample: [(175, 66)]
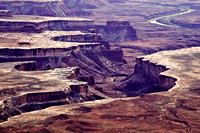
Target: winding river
[(167, 18)]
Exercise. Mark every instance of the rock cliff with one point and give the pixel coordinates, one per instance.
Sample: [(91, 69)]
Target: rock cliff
[(117, 33), (153, 71), (69, 89), (176, 110), (26, 66), (54, 54)]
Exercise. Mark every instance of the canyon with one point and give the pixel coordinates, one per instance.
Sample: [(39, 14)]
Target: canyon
[(176, 110), (49, 58), (112, 71)]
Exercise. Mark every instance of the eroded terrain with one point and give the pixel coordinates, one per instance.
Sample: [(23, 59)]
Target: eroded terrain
[(48, 64), (176, 110)]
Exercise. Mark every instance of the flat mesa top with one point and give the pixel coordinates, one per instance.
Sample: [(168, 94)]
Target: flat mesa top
[(183, 65), (38, 19), (35, 81), (42, 40)]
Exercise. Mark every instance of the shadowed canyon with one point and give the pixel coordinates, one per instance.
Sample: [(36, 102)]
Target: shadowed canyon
[(99, 66)]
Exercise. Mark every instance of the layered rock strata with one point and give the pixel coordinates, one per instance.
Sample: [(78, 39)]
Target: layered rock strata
[(44, 44), (17, 21), (176, 110), (40, 96), (117, 31), (153, 72), (45, 75), (159, 66), (26, 66), (54, 54)]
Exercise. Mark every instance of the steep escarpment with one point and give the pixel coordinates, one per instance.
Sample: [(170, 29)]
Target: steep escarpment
[(162, 71), (153, 72), (39, 93), (42, 63), (176, 110), (117, 33), (166, 68), (113, 31)]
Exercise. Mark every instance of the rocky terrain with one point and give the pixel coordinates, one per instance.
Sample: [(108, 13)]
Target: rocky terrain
[(55, 61), (135, 68), (176, 110)]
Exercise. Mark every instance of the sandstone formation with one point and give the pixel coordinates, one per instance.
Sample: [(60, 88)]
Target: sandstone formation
[(26, 66), (176, 110), (112, 33), (49, 65), (153, 72), (58, 55), (40, 89)]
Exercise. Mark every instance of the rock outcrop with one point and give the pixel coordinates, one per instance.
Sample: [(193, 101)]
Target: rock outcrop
[(54, 54), (114, 31), (40, 98), (153, 72), (176, 110), (5, 13), (26, 66), (117, 33), (159, 66)]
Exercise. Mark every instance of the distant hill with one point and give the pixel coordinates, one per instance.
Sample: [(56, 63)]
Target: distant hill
[(85, 4), (60, 8)]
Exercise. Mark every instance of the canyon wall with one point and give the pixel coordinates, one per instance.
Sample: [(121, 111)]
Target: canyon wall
[(79, 38), (51, 22), (40, 99), (117, 33), (36, 101), (114, 55), (153, 72), (41, 52), (110, 33), (79, 88), (114, 33)]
